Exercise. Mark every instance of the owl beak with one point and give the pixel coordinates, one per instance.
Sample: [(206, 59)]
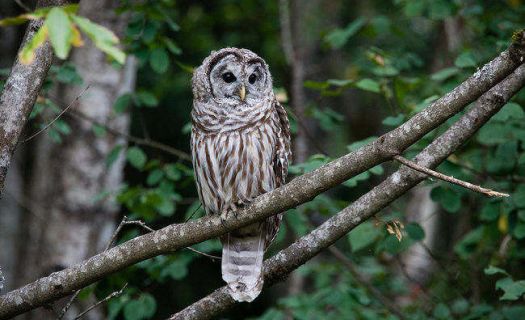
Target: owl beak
[(242, 92)]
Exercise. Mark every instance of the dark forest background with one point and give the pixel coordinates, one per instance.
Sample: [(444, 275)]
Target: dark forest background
[(347, 71)]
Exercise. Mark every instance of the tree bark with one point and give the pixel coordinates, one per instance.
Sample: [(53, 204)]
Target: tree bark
[(77, 226)]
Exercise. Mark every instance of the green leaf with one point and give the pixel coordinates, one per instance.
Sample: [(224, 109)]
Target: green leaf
[(490, 211), (136, 157), (521, 215), (147, 98), (172, 47), (492, 270), (178, 269), (377, 170), (519, 231), (353, 182), (444, 74), (392, 245), (67, 73), (60, 31), (27, 54), (339, 82), (518, 196), (442, 311), (166, 207), (142, 308), (368, 85), (316, 85), (465, 60), (159, 60), (494, 133), (440, 9), (13, 21), (103, 38), (99, 130), (339, 37), (154, 177), (54, 135), (513, 290), (513, 312), (62, 127), (414, 8), (172, 172), (509, 111), (297, 221), (122, 103), (469, 243), (114, 307), (447, 198), (394, 121), (358, 144), (415, 231), (460, 306), (113, 155), (363, 235)]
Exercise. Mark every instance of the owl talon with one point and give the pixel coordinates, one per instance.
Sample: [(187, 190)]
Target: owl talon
[(224, 216)]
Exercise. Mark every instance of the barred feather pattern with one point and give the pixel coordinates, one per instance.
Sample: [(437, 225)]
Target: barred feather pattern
[(239, 152)]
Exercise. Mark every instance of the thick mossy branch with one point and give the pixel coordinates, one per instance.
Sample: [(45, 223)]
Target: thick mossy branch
[(298, 191)]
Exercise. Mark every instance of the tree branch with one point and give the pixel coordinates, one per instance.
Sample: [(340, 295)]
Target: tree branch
[(298, 191), (20, 92), (438, 175), (287, 260), (107, 298), (50, 123), (137, 140)]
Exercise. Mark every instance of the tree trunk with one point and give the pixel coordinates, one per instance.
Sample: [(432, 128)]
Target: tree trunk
[(69, 176)]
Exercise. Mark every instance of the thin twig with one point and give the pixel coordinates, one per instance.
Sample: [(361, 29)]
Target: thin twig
[(109, 297), (435, 174), (110, 242), (58, 116), (193, 213), (140, 141), (144, 226), (23, 6), (365, 283), (68, 305)]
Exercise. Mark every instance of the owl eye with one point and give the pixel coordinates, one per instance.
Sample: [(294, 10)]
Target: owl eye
[(228, 77), (252, 78)]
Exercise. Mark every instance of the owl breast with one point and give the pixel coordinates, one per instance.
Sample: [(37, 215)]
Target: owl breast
[(233, 167)]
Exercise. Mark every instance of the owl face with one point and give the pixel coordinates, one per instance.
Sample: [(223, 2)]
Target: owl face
[(236, 79)]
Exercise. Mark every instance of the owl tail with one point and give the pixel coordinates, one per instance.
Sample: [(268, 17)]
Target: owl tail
[(242, 260)]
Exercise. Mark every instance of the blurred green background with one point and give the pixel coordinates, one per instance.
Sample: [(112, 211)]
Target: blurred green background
[(347, 71)]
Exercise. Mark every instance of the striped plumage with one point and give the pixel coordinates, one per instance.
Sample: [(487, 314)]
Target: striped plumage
[(241, 147)]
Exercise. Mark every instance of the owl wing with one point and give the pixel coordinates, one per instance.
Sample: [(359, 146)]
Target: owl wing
[(283, 154)]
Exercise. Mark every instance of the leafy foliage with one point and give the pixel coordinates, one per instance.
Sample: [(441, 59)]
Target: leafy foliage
[(61, 26), (380, 65)]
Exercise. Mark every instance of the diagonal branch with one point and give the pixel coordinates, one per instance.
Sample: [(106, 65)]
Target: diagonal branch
[(438, 175), (137, 140), (287, 260), (57, 117), (298, 191)]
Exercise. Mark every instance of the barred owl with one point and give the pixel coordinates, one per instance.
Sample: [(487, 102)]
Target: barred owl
[(240, 144)]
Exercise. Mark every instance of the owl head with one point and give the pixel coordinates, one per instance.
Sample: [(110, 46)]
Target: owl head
[(233, 77)]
